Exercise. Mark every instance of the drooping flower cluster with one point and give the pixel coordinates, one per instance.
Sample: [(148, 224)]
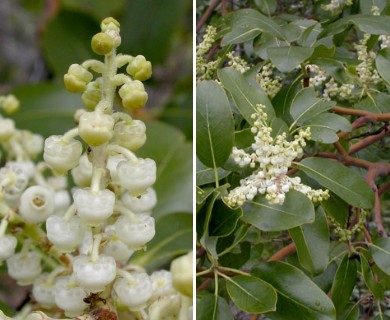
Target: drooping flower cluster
[(205, 69), (237, 62), (336, 5), (88, 237), (271, 158), (366, 70), (270, 83)]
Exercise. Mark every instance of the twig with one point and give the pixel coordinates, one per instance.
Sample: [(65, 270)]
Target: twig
[(204, 284), (283, 253), (207, 14)]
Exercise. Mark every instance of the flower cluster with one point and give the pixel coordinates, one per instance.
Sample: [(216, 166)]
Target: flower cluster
[(345, 233), (205, 69), (237, 62), (268, 82), (336, 5), (366, 70), (88, 237), (271, 159)]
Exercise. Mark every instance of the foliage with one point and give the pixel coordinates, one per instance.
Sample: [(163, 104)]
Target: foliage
[(292, 162)]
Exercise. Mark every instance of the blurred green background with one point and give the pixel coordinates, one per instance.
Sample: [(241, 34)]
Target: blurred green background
[(41, 38)]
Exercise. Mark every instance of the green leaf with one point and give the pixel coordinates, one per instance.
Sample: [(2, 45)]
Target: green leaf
[(67, 39), (366, 23), (325, 280), (267, 7), (237, 257), (99, 8), (149, 27), (251, 294), (287, 59), (205, 175), (376, 102), (247, 24), (173, 156), (368, 275), (324, 126), (312, 243), (214, 125), (380, 249), (351, 312), (212, 307), (244, 138), (284, 98), (306, 105), (298, 297), (339, 179), (337, 209), (223, 220), (173, 237), (382, 62), (372, 24), (278, 127), (245, 95), (296, 210), (46, 103), (344, 282)]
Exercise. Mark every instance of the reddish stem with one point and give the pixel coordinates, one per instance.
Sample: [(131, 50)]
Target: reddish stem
[(207, 14), (283, 253)]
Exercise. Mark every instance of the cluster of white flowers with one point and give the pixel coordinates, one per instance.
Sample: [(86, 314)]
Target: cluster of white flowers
[(385, 41), (271, 158), (205, 69), (336, 5), (268, 82), (342, 92), (237, 62), (366, 70), (88, 237)]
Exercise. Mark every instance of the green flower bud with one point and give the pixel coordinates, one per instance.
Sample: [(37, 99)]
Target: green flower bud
[(109, 23), (92, 95), (10, 104), (96, 128), (133, 95), (77, 78), (139, 68), (181, 269), (102, 43)]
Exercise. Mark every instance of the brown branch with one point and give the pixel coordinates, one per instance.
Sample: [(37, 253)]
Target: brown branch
[(204, 284), (283, 253), (369, 140), (366, 116), (207, 14)]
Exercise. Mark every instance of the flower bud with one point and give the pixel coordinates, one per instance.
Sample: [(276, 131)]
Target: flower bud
[(139, 68), (69, 297), (102, 43), (7, 246), (77, 78), (82, 174), (181, 269), (134, 292), (36, 204), (93, 276), (141, 204), (32, 143), (118, 250), (133, 95), (137, 177), (96, 128), (11, 104), (43, 291), (65, 235), (131, 136), (109, 24), (92, 95), (94, 208), (62, 155), (13, 180), (24, 268), (161, 284), (135, 232), (7, 129)]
